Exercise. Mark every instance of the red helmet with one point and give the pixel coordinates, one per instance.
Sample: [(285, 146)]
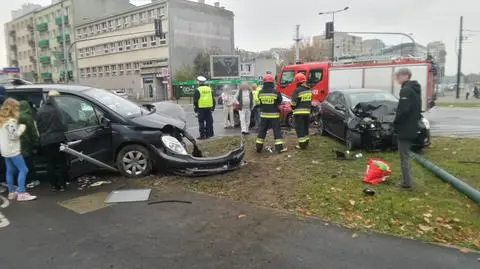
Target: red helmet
[(268, 78), (300, 78)]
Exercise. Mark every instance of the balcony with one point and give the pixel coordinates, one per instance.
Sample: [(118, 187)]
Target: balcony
[(45, 60), (13, 47), (58, 20), (44, 43), (12, 33), (46, 75), (60, 39), (31, 43), (30, 28), (33, 59), (61, 56), (42, 27)]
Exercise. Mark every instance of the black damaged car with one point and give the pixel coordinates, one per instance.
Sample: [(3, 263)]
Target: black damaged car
[(106, 131), (363, 118)]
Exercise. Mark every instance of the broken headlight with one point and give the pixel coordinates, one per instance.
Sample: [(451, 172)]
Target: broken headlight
[(174, 145), (426, 123)]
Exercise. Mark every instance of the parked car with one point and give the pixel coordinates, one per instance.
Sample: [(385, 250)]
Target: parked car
[(363, 118), (108, 131)]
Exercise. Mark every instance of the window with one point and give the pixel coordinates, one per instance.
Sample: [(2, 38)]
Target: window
[(144, 42), (153, 40), (135, 43), (97, 27), (90, 30), (120, 46), (80, 51), (116, 103), (136, 66), (151, 14), (82, 71), (104, 26), (143, 16), (105, 48), (121, 67), (80, 33), (333, 98), (127, 21), (88, 70), (112, 47), (127, 44), (107, 68), (77, 113), (113, 67), (119, 23), (94, 70), (287, 78), (100, 69), (134, 18), (314, 77), (160, 11), (110, 24), (129, 66)]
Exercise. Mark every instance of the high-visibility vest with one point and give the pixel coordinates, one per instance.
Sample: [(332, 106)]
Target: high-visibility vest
[(206, 98), (255, 95)]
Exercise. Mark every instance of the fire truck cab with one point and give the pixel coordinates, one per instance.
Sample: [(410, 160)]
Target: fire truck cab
[(323, 77)]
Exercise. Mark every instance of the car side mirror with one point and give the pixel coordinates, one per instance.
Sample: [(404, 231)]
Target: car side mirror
[(340, 108), (105, 123)]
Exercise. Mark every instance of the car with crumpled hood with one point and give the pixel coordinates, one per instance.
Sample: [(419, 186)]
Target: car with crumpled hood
[(106, 131), (363, 118)]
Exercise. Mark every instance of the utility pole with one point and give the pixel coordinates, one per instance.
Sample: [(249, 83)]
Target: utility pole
[(64, 41), (459, 70), (297, 40)]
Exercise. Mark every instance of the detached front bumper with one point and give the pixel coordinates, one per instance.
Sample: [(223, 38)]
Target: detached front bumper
[(188, 165)]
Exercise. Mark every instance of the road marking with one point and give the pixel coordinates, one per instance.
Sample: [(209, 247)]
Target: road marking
[(4, 222), (5, 202)]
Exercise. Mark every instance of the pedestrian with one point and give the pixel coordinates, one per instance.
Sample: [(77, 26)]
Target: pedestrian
[(256, 107), (52, 133), (269, 101), (302, 106), (29, 141), (228, 100), (2, 161), (407, 121), (10, 146), (204, 105), (245, 101)]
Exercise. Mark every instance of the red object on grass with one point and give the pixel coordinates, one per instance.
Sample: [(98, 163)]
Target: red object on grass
[(377, 172)]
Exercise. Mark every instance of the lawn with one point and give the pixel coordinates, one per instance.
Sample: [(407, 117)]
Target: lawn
[(314, 183)]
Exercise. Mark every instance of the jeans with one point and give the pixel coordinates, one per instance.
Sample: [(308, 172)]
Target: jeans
[(13, 164)]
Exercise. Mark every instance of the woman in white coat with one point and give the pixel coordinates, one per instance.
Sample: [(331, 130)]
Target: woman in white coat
[(228, 100), (246, 102)]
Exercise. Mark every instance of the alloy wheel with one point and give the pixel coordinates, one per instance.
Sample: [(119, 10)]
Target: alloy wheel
[(134, 162)]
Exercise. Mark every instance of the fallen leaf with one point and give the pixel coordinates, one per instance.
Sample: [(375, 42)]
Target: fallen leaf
[(446, 226), (440, 240), (469, 206), (352, 202), (477, 243), (369, 226), (427, 220), (241, 216), (341, 213), (465, 250), (326, 224), (301, 210), (309, 213), (427, 194), (413, 199), (355, 235), (315, 162), (308, 197), (359, 217), (439, 219), (428, 215), (456, 220), (402, 228), (279, 168), (425, 228)]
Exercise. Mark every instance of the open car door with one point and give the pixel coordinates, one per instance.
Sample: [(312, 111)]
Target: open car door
[(89, 135)]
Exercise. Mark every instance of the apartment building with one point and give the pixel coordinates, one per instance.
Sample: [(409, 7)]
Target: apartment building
[(345, 44), (373, 46), (35, 40), (21, 46), (121, 51)]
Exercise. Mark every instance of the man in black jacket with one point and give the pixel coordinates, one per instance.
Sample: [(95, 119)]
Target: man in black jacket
[(52, 134), (407, 121)]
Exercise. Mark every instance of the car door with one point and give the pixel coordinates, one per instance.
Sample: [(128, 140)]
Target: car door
[(82, 119), (328, 112), (340, 116)]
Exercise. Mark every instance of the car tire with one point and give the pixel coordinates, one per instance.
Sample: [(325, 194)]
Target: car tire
[(133, 161), (321, 127), (352, 140), (291, 121)]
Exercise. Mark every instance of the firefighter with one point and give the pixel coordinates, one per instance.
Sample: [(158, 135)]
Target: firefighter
[(269, 102), (204, 104), (302, 104)]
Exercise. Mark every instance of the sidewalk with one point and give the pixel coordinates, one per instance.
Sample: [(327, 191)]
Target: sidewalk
[(209, 233)]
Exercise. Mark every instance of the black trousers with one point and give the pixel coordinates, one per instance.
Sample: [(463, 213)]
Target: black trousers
[(57, 166), (265, 125), (302, 125), (205, 122)]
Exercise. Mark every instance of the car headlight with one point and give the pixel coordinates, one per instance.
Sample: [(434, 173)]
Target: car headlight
[(426, 123), (174, 145)]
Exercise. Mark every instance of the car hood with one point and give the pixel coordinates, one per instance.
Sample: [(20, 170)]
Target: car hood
[(383, 111), (167, 113)]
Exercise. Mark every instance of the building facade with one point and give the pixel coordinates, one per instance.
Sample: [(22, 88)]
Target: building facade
[(122, 52), (373, 47), (406, 50), (24, 10), (345, 44), (35, 41), (438, 51)]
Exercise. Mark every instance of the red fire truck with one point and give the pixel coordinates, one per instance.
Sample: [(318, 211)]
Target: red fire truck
[(366, 74)]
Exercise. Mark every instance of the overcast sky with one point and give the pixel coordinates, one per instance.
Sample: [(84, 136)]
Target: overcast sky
[(262, 24)]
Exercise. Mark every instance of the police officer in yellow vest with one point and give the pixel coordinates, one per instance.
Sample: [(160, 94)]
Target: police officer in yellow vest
[(204, 104)]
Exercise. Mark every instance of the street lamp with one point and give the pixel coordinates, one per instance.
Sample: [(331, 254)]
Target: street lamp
[(333, 23)]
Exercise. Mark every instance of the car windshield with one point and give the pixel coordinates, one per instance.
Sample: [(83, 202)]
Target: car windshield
[(122, 106), (366, 97)]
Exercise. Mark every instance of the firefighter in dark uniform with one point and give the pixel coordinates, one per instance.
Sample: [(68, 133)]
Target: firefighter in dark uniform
[(204, 104), (302, 104), (269, 102)]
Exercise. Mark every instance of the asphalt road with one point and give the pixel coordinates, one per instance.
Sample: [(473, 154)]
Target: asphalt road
[(209, 233), (455, 122)]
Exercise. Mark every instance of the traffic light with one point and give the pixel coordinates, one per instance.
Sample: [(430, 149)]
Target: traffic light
[(158, 28), (329, 30)]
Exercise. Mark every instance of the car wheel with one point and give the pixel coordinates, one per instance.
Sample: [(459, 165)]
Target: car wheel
[(351, 140), (134, 161), (291, 121), (321, 127)]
